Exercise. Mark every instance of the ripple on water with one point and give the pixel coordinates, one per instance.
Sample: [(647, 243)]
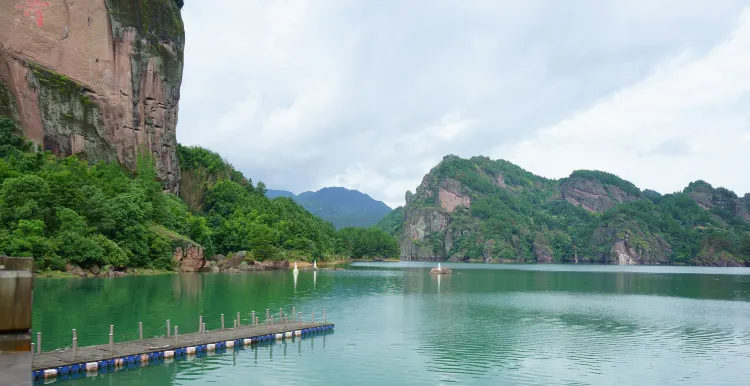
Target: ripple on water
[(481, 326)]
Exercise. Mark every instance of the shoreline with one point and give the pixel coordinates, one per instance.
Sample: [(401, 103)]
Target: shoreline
[(75, 273), (306, 265)]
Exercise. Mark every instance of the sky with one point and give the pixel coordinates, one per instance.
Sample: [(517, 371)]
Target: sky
[(371, 94)]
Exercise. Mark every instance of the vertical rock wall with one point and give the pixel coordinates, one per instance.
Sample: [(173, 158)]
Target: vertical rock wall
[(100, 78)]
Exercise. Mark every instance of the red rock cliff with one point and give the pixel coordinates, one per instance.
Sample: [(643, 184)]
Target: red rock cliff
[(98, 77)]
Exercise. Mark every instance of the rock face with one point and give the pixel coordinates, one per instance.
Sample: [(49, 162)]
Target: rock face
[(593, 195), (627, 252), (709, 197), (484, 210), (100, 78), (450, 196), (189, 257), (541, 249)]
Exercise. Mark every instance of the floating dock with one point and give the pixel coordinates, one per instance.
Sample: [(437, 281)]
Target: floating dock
[(73, 361)]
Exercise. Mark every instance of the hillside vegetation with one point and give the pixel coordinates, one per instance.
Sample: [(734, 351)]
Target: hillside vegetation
[(492, 210), (65, 211), (241, 216)]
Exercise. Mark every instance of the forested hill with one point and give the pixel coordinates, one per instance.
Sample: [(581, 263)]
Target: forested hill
[(342, 207), (492, 210), (66, 212)]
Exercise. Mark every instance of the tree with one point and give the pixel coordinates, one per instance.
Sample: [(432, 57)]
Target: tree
[(260, 188)]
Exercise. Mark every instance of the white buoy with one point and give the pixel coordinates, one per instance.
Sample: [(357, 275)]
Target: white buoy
[(296, 271), (315, 264), (439, 266)]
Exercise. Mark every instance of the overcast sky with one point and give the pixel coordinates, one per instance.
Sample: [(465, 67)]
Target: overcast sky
[(370, 95)]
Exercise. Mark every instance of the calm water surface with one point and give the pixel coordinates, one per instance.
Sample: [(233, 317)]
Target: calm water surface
[(396, 324)]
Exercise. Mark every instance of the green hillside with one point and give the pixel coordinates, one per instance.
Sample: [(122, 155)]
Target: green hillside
[(492, 210), (65, 211)]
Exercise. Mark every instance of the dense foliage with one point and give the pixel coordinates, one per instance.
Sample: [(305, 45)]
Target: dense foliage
[(64, 211), (243, 218), (393, 223), (515, 215), (367, 242)]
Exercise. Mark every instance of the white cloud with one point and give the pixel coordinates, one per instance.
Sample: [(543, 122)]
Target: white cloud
[(692, 102), (371, 94)]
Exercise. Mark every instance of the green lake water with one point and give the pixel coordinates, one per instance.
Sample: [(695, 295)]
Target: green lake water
[(396, 324)]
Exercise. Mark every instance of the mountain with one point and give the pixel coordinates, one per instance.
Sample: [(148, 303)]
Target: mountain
[(342, 207), (480, 209), (272, 193), (100, 79)]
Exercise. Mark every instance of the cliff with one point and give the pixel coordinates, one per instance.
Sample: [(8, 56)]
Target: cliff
[(98, 78), (493, 211)]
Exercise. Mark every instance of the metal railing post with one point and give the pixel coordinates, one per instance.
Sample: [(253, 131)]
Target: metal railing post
[(75, 344), (38, 342), (169, 328), (222, 321), (111, 339), (140, 330)]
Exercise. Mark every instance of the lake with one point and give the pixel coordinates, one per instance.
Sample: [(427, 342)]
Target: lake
[(397, 324)]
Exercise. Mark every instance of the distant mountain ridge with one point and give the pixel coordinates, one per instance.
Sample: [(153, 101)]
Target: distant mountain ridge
[(342, 207), (480, 209), (273, 193)]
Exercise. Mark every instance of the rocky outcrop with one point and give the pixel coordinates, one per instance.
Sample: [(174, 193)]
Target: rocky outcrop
[(487, 254), (711, 257), (480, 209), (708, 197), (593, 195), (99, 78), (189, 257), (451, 195), (233, 261), (420, 223), (629, 252), (541, 249)]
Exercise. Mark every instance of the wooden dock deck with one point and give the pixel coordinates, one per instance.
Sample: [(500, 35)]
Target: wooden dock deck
[(52, 364)]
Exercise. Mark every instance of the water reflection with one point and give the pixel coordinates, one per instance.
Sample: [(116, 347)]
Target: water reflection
[(486, 326)]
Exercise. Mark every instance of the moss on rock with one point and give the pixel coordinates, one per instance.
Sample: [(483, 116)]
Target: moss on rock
[(8, 106), (66, 111)]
